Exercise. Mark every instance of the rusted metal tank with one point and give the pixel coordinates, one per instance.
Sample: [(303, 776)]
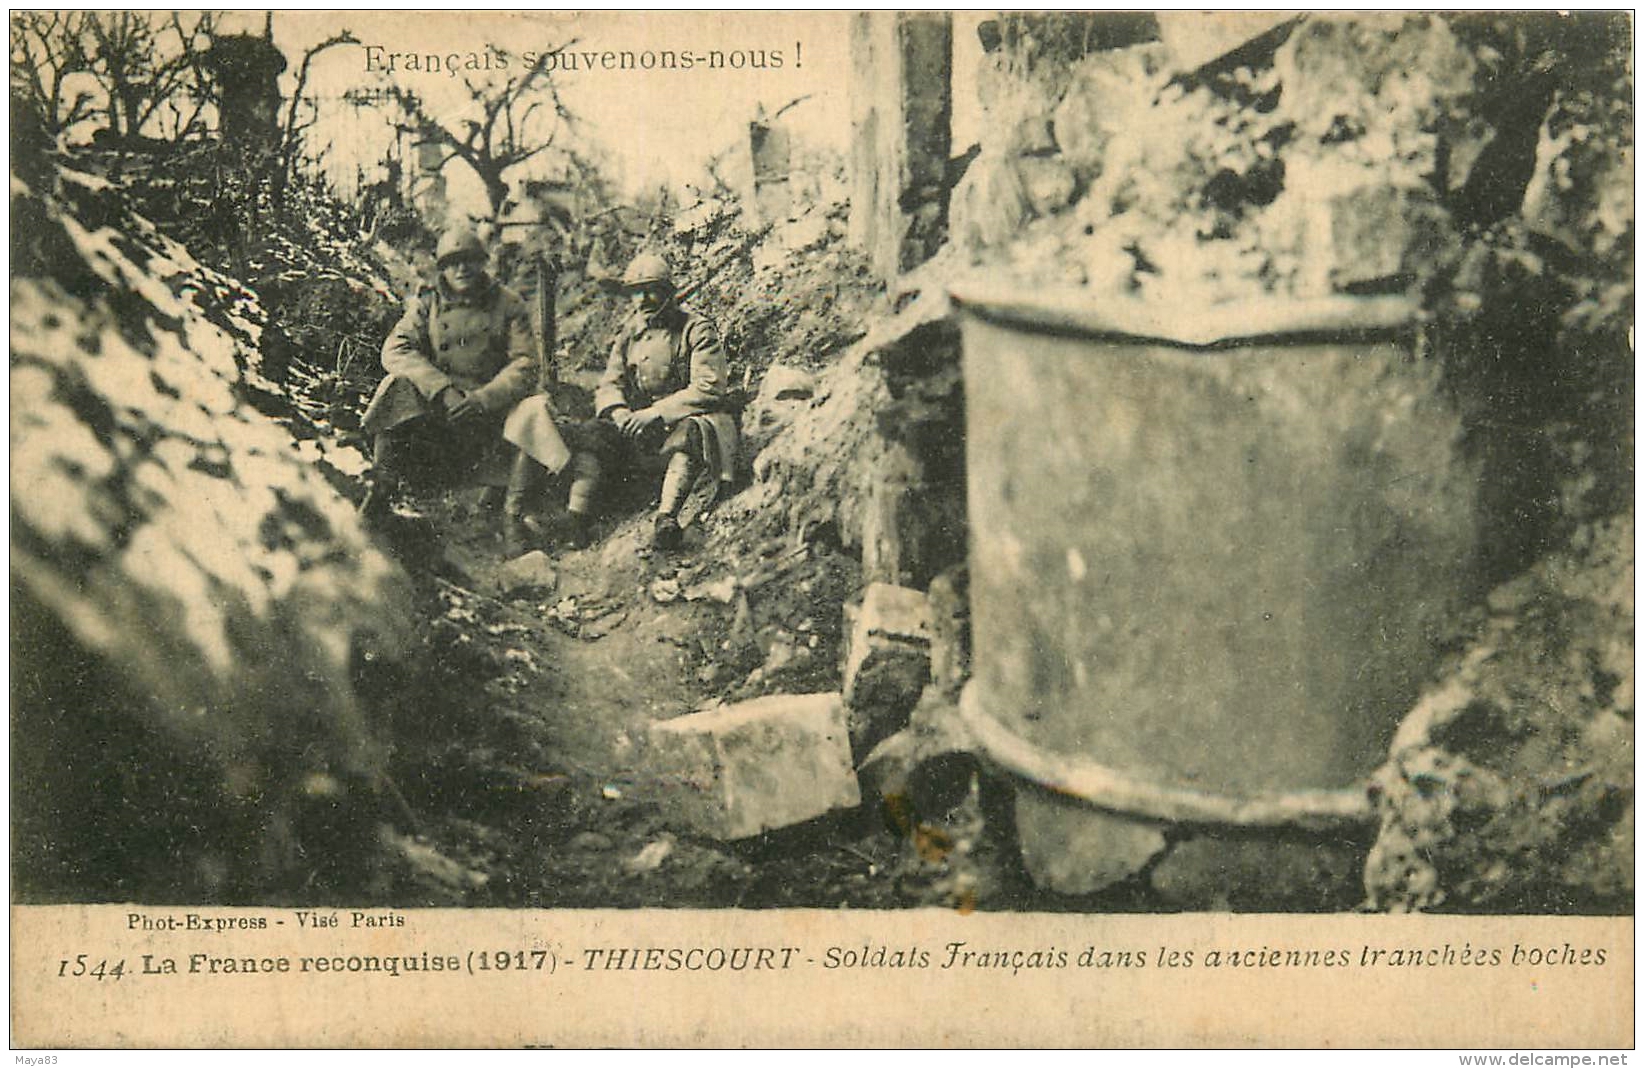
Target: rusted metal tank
[(1211, 549)]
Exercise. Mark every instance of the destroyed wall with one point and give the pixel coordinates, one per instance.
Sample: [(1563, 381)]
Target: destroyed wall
[(192, 605), (871, 458)]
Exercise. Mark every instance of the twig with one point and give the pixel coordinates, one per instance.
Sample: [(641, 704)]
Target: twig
[(853, 850)]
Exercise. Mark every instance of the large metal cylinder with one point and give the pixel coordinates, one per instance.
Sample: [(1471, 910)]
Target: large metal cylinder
[(1211, 551)]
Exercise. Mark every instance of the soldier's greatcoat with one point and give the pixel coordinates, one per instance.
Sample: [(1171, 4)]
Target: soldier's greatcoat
[(479, 342), (673, 362)]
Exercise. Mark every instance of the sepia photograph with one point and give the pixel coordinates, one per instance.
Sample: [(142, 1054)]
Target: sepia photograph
[(999, 468)]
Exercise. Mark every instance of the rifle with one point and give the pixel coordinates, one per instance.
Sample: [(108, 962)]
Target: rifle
[(547, 272)]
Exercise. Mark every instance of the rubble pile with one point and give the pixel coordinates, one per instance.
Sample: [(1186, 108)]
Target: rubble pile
[(789, 292), (881, 432), (1304, 170), (1509, 788), (1329, 154)]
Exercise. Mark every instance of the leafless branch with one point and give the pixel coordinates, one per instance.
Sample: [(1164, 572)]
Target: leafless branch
[(500, 136), (790, 104), (46, 49), (139, 66), (290, 131)]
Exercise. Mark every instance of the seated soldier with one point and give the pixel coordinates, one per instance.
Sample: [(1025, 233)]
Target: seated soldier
[(458, 361), (663, 402)]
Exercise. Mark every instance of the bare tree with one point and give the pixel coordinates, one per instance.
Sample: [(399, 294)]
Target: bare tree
[(144, 63), (508, 128), (47, 49)]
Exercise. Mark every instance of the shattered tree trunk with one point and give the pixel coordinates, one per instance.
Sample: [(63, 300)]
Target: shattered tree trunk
[(248, 70), (901, 106)]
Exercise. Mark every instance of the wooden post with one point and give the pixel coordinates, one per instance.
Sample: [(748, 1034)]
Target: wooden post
[(901, 107), (892, 528), (769, 145), (428, 181)]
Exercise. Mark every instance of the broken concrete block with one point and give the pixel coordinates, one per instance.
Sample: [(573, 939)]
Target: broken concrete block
[(807, 232), (1032, 137), (530, 571), (893, 533), (742, 769), (1370, 233), (1075, 849), (1370, 63), (925, 768), (1108, 94), (989, 206), (895, 612), (888, 660), (770, 255), (1347, 234), (649, 859)]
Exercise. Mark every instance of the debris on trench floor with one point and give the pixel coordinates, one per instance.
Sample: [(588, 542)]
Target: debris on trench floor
[(529, 764)]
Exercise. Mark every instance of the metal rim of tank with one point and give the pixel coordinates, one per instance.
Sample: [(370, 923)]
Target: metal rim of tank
[(1124, 793), (1234, 324)]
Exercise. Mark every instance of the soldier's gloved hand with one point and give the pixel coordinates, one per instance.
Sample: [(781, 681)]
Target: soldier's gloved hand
[(636, 422), (459, 406)]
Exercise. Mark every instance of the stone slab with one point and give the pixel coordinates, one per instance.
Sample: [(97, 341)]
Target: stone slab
[(742, 769), (529, 571), (1075, 849), (1252, 871)]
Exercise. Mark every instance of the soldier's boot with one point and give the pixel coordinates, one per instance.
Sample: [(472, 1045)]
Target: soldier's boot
[(575, 531), (516, 536), (523, 480), (666, 535), (676, 483), (387, 469), (377, 503)]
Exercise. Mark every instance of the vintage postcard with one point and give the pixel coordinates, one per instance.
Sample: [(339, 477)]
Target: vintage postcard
[(647, 529)]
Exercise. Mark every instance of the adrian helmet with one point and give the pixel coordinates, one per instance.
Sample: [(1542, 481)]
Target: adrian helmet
[(459, 242), (648, 268)]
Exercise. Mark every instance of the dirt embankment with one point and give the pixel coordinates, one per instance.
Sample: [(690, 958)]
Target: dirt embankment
[(193, 605)]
